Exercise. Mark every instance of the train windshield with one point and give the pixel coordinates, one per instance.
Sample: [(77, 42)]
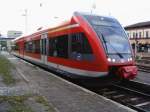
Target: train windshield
[(111, 33)]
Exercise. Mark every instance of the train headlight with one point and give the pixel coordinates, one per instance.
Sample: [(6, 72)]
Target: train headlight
[(130, 59), (113, 60), (109, 59)]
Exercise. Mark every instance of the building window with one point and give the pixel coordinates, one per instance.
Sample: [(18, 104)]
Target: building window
[(147, 34), (80, 47), (140, 34), (128, 34), (134, 35)]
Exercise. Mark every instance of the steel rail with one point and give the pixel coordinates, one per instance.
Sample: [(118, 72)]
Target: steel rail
[(125, 92)]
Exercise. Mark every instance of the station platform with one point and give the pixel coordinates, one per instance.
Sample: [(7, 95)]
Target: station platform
[(61, 94)]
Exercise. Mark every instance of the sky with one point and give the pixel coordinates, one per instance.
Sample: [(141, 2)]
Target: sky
[(46, 13)]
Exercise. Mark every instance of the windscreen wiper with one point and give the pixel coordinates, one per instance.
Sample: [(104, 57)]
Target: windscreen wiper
[(104, 43), (119, 54)]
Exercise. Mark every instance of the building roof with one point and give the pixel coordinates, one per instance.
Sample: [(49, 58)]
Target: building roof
[(138, 25)]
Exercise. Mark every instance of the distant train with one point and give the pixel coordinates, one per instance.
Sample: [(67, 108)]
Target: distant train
[(86, 46)]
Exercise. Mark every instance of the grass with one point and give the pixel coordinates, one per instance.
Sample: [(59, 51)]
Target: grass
[(5, 70), (43, 101), (17, 103)]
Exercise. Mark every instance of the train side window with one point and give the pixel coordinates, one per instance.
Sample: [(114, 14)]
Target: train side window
[(36, 46), (58, 46), (62, 46), (26, 47), (52, 47), (29, 46), (80, 47)]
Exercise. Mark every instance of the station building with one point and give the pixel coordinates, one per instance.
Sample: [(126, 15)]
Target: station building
[(139, 36), (5, 43)]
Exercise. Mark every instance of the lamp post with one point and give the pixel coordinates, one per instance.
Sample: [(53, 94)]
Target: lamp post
[(26, 20), (93, 8)]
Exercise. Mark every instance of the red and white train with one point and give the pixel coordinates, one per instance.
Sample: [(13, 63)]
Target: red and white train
[(86, 46)]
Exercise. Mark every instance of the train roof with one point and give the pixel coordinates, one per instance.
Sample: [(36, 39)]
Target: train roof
[(61, 25), (92, 14), (38, 32)]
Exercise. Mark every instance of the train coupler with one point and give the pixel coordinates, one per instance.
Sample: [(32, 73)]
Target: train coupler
[(127, 72)]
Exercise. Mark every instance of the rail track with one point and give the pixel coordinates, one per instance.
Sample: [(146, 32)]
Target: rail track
[(129, 93), (144, 64), (144, 67)]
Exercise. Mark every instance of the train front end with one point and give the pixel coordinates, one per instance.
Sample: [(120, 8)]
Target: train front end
[(116, 45)]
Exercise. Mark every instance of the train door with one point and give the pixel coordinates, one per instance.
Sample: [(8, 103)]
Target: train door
[(44, 48)]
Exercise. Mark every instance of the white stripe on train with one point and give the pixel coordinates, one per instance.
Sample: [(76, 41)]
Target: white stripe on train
[(69, 69)]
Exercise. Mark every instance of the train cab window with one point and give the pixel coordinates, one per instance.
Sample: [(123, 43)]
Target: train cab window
[(80, 47), (58, 46)]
